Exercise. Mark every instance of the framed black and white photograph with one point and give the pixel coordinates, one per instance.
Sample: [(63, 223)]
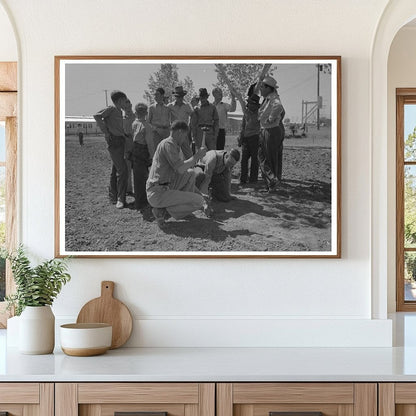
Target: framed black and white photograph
[(198, 156)]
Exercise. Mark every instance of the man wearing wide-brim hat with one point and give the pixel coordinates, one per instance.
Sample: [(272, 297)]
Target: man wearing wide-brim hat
[(205, 119), (271, 114), (249, 140), (179, 110)]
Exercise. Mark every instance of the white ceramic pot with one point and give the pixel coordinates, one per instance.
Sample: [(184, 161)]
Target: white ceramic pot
[(37, 330), (12, 334)]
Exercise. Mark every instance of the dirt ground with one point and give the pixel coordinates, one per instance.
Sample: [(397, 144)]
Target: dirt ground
[(295, 217)]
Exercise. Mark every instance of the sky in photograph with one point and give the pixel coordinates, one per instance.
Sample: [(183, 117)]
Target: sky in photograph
[(409, 119), (86, 83)]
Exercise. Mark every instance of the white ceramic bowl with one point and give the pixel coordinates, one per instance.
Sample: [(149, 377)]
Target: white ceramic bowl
[(83, 340)]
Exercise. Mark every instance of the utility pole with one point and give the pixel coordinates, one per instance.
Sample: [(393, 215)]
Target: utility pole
[(317, 99), (106, 98), (302, 114)]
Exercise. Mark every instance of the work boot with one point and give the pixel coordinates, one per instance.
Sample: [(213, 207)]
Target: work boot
[(160, 214)]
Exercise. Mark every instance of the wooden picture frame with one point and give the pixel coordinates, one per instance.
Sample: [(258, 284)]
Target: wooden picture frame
[(298, 218)]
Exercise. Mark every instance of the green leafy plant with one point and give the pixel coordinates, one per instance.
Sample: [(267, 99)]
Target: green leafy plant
[(35, 286)]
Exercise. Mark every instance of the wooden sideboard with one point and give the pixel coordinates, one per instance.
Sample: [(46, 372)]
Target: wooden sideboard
[(208, 399)]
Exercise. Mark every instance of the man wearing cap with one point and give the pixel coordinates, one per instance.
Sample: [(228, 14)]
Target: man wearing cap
[(205, 119), (213, 172), (271, 114), (159, 117), (170, 187)]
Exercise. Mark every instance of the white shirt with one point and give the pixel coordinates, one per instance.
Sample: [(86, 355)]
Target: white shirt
[(223, 109)]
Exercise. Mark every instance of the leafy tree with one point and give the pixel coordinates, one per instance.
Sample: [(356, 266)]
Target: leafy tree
[(410, 191), (410, 207), (325, 68), (167, 77), (410, 204), (410, 269), (410, 146), (188, 85), (2, 234), (241, 77)]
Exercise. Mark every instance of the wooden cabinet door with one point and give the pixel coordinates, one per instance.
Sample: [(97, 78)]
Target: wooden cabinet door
[(26, 399), (143, 399), (397, 399), (297, 399)]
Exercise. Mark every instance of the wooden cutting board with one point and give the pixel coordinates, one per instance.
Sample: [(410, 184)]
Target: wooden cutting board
[(109, 310)]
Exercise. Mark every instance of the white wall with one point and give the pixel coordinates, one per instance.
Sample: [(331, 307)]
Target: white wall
[(204, 302), (8, 46), (401, 74)]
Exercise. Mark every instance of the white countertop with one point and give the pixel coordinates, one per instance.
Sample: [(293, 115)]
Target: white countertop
[(222, 364), (215, 364)]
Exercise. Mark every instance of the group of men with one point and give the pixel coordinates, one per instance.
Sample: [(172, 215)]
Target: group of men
[(183, 145), (205, 120)]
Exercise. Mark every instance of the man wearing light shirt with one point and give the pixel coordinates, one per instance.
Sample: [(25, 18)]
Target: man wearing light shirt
[(213, 172), (110, 122), (179, 110), (141, 154), (271, 114), (223, 109), (204, 122), (170, 186), (159, 117)]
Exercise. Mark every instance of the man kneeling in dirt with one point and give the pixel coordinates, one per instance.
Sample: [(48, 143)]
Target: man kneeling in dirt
[(171, 187), (213, 173)]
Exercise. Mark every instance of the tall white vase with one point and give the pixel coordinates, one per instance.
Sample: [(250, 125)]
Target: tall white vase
[(37, 330)]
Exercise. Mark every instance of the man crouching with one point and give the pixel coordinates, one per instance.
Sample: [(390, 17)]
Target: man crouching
[(213, 173), (171, 187)]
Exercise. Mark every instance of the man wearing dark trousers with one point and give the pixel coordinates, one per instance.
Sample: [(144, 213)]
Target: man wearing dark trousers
[(271, 114), (110, 122), (222, 109)]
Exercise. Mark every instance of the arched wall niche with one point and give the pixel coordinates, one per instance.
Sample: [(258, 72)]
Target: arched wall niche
[(396, 15)]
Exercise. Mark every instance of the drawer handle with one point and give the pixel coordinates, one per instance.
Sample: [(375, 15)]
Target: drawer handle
[(139, 414), (295, 414)]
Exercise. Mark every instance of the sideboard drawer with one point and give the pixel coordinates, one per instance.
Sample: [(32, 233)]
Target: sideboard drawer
[(21, 399), (308, 399), (146, 399), (397, 399)]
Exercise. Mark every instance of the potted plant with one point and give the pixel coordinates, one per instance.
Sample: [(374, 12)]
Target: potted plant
[(36, 289)]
